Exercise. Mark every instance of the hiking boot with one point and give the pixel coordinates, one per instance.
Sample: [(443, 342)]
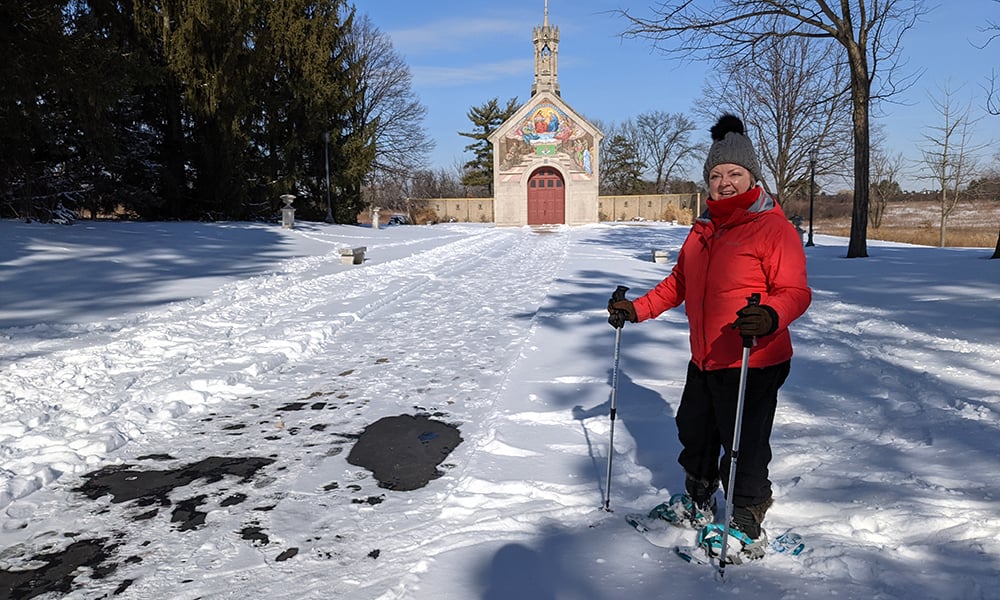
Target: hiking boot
[(682, 511), (748, 518)]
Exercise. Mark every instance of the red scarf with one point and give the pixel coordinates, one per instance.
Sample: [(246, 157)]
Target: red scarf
[(722, 210)]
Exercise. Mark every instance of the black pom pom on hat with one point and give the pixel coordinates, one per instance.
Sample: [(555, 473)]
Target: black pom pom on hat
[(726, 123)]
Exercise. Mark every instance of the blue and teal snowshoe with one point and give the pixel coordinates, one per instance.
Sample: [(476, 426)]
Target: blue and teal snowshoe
[(682, 511), (741, 547)]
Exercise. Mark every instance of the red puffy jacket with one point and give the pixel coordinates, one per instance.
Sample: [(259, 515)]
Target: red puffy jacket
[(757, 250)]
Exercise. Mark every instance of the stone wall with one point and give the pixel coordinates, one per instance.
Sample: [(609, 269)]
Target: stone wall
[(648, 207), (463, 210)]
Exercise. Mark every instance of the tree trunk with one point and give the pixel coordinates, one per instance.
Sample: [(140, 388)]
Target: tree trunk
[(944, 198), (860, 94)]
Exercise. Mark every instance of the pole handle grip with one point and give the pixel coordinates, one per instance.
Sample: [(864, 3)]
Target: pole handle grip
[(750, 341), (618, 317)]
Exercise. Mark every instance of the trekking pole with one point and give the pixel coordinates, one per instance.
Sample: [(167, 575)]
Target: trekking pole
[(618, 320), (748, 342)]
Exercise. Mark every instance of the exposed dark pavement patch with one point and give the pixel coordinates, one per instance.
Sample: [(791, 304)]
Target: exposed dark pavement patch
[(187, 514), (124, 483), (403, 452), (58, 571)]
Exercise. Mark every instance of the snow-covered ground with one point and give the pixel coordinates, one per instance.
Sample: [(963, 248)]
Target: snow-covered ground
[(226, 370)]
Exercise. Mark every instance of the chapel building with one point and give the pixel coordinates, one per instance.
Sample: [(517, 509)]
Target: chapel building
[(546, 156)]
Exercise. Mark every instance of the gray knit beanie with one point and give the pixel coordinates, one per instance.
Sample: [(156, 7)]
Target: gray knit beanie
[(730, 144)]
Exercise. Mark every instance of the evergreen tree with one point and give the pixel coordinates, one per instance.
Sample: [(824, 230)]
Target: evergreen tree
[(110, 144), (309, 84), (165, 112), (31, 43), (621, 166), (485, 119), (209, 51)]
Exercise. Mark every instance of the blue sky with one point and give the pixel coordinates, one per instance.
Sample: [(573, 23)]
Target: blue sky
[(462, 53)]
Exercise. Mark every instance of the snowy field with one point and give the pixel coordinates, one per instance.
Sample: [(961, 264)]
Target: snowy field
[(216, 376)]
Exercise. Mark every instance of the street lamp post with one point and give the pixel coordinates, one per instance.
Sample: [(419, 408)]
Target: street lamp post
[(326, 162), (813, 152)]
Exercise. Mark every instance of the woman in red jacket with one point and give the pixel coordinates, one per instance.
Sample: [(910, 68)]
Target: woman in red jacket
[(742, 245)]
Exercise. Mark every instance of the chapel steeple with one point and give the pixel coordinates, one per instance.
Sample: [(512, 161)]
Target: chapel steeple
[(546, 39)]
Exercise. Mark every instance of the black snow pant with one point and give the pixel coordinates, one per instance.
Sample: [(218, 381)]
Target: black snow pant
[(706, 420)]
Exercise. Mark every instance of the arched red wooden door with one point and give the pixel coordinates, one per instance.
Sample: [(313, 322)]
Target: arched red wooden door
[(546, 197)]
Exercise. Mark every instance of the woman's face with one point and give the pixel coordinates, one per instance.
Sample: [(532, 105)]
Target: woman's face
[(728, 179)]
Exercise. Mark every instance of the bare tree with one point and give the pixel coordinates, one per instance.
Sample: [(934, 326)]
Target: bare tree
[(439, 183), (949, 153), (996, 157), (402, 144), (794, 100), (886, 168), (992, 29), (869, 32), (992, 87), (664, 143)]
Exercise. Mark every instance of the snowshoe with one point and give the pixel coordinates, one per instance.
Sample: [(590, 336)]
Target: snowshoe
[(788, 543), (682, 511), (741, 547)]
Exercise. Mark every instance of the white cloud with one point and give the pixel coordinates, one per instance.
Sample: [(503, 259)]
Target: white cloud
[(454, 34), (465, 74)]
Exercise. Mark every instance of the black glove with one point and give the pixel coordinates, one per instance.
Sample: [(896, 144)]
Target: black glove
[(621, 311), (756, 321)]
